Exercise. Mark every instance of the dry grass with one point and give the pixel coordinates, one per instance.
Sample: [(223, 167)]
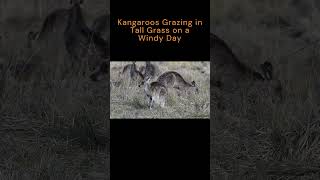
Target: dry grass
[(128, 101), (49, 128), (270, 141)]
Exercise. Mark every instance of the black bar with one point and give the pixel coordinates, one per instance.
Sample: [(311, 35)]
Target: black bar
[(150, 148)]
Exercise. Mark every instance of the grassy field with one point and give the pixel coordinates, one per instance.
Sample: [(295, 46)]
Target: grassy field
[(269, 140), (128, 101), (49, 128)]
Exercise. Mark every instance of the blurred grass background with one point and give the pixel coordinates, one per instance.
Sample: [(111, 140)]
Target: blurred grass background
[(270, 141)]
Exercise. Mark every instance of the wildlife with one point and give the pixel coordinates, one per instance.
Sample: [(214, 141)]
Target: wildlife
[(169, 94), (131, 73), (48, 42), (155, 92), (227, 70), (230, 75), (149, 70), (128, 73), (172, 79), (226, 65), (55, 22), (65, 41), (80, 41)]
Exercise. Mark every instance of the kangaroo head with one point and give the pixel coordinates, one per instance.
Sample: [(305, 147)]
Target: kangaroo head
[(145, 81), (267, 70), (275, 84), (141, 69), (193, 83)]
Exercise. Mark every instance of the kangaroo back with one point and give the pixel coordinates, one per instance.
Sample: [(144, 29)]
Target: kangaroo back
[(226, 67), (172, 78)]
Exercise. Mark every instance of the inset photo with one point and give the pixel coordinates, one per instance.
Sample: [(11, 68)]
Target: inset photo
[(159, 89)]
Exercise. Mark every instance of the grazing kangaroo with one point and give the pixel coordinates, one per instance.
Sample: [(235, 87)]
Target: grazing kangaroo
[(229, 75), (55, 23), (149, 70), (226, 68), (64, 33), (48, 42), (142, 69), (172, 79), (80, 41), (130, 72), (155, 92)]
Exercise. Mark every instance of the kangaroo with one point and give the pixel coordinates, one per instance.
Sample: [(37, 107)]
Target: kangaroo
[(142, 69), (48, 42), (172, 79), (155, 92), (227, 69), (54, 23), (149, 70), (228, 73), (130, 72), (80, 41)]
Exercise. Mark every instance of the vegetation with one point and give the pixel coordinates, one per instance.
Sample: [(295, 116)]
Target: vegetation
[(269, 140)]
